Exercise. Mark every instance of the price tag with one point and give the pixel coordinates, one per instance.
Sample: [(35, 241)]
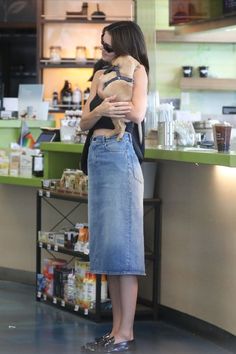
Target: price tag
[(39, 294), (48, 194), (48, 246), (56, 248), (40, 244), (40, 192), (76, 308), (63, 304), (44, 297), (54, 300)]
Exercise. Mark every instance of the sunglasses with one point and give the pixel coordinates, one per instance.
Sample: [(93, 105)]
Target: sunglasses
[(107, 47)]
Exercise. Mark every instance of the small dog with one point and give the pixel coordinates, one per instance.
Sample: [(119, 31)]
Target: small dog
[(118, 80)]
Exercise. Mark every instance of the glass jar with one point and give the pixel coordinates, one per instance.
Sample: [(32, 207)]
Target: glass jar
[(97, 53), (80, 54), (55, 54)]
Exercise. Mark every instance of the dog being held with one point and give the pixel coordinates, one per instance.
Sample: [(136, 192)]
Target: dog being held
[(118, 80)]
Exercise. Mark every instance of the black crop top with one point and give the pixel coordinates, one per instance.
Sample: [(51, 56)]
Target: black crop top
[(132, 128), (104, 122)]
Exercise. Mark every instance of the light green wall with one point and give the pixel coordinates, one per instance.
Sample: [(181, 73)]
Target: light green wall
[(162, 14), (146, 18), (220, 58)]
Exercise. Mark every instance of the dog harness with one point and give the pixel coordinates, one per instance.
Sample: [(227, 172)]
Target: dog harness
[(118, 76)]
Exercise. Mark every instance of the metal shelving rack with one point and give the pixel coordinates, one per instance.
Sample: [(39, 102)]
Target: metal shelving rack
[(145, 308)]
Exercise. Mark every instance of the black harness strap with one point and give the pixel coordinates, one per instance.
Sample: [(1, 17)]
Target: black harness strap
[(118, 76)]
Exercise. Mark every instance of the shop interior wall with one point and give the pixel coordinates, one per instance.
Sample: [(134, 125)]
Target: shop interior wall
[(198, 202), (172, 56), (198, 241), (18, 226)]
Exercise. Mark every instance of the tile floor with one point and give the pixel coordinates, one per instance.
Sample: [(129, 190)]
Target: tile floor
[(27, 326)]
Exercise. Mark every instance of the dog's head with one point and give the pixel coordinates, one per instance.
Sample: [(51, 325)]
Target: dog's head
[(126, 63)]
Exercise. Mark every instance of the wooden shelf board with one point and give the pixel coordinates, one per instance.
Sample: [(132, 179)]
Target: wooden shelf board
[(206, 25), (212, 84), (170, 36)]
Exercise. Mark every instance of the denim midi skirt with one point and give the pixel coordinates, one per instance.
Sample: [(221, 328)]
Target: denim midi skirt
[(115, 207)]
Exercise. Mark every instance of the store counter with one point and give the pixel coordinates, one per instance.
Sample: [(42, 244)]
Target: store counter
[(58, 156)]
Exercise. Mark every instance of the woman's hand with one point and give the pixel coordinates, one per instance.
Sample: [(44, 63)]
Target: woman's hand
[(112, 109)]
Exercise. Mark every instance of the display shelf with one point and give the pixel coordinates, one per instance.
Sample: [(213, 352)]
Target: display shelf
[(66, 306), (69, 26), (171, 36), (208, 84), (142, 310), (63, 250), (146, 307), (76, 20), (63, 195), (66, 63), (206, 25)]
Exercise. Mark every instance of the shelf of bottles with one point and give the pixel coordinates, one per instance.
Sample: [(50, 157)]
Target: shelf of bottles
[(67, 63)]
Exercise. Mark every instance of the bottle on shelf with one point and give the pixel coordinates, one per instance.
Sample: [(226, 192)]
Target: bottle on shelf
[(66, 94), (77, 97), (103, 287), (55, 99), (86, 94)]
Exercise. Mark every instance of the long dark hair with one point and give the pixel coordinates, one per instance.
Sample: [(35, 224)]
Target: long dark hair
[(128, 39)]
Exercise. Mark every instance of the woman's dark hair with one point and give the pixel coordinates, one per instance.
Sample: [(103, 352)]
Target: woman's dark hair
[(128, 39), (100, 64)]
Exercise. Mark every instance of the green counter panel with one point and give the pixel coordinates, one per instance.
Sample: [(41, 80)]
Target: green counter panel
[(55, 163), (58, 156), (21, 181), (189, 155)]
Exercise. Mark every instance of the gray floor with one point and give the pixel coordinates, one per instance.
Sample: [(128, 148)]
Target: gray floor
[(27, 326)]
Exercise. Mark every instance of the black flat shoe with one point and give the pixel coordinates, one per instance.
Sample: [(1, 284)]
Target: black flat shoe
[(93, 346), (103, 338), (111, 347)]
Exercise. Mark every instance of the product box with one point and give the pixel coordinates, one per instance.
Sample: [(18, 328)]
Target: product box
[(49, 265), (60, 281), (14, 163), (4, 165), (26, 166)]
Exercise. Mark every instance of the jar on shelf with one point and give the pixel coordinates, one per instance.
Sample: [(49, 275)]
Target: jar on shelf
[(55, 54), (97, 53), (80, 54)]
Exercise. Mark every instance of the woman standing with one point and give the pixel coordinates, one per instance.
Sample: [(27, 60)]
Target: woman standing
[(115, 198)]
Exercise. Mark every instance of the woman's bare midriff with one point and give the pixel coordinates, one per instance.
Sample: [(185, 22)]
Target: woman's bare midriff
[(103, 132)]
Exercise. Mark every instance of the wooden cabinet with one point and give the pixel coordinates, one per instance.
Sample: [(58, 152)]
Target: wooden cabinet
[(68, 25)]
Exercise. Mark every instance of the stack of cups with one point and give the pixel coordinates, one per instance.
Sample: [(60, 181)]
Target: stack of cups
[(165, 128)]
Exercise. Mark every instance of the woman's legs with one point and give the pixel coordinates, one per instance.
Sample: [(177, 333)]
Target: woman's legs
[(123, 292), (114, 292)]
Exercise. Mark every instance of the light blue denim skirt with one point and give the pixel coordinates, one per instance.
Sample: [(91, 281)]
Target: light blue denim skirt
[(115, 207)]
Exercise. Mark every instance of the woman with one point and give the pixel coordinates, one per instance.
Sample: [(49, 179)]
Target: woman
[(115, 201)]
